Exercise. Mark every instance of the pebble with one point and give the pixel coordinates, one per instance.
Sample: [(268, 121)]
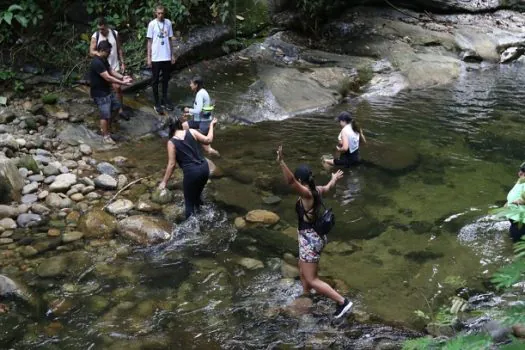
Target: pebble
[(87, 181), (85, 149), (120, 206), (28, 251), (43, 195), (53, 232), (21, 142), (105, 181), (23, 172), (72, 236), (77, 197), (107, 168), (30, 188), (36, 178), (29, 198), (6, 241), (88, 189), (63, 182), (48, 180), (28, 220), (50, 170), (93, 196)]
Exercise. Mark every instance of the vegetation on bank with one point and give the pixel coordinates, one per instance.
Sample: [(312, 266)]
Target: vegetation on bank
[(503, 280)]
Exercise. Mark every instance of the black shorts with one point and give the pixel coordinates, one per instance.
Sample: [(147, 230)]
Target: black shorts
[(516, 230), (348, 159)]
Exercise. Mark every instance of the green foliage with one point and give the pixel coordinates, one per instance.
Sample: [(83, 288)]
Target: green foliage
[(419, 344), (6, 74), (515, 315), (506, 276), (22, 14), (468, 342)]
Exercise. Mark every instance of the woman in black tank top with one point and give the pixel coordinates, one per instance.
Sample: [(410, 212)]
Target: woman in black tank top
[(184, 150), (310, 242)]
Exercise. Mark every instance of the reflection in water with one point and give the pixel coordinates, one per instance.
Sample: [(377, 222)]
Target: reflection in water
[(352, 185)]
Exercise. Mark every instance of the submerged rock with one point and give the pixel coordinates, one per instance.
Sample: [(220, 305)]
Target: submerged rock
[(164, 196), (396, 158), (144, 230), (262, 216), (120, 206), (68, 263), (250, 264), (97, 223)]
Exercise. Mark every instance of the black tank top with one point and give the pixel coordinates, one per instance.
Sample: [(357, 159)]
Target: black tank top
[(188, 151), (301, 213)]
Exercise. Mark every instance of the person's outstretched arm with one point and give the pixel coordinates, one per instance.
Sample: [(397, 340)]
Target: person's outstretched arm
[(335, 177), (303, 191), (171, 165), (362, 136), (206, 140)]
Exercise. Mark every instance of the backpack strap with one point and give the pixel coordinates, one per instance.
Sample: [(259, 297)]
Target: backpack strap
[(117, 41)]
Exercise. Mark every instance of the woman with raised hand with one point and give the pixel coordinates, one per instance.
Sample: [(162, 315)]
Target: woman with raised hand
[(183, 149), (311, 243)]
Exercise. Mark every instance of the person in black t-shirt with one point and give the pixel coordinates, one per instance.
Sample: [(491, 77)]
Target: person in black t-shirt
[(102, 76)]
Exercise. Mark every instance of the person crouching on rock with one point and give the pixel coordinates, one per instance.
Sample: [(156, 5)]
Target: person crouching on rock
[(201, 111), (516, 198), (349, 139), (310, 242), (183, 149), (101, 77)]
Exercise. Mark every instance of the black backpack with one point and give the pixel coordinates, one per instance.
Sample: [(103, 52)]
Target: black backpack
[(326, 221)]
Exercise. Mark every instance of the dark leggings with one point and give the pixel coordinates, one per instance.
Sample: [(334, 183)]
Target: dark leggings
[(516, 231), (156, 68), (195, 178), (347, 159)]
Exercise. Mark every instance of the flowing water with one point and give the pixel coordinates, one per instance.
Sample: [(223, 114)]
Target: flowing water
[(404, 240)]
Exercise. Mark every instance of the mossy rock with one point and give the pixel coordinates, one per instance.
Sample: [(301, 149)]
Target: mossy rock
[(390, 157), (272, 241), (50, 99), (29, 163)]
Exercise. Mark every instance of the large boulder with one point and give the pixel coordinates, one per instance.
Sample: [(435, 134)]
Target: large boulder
[(97, 223), (144, 230), (11, 182), (261, 216), (460, 5)]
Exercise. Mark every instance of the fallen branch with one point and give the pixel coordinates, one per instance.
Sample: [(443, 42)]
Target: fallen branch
[(122, 189)]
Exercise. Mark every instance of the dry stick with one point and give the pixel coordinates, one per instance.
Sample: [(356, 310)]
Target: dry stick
[(122, 189)]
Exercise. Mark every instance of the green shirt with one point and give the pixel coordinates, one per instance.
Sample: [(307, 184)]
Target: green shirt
[(517, 192)]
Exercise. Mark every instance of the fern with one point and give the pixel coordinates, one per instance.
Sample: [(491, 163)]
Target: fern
[(508, 275), (468, 342), (514, 315), (419, 344), (519, 248)]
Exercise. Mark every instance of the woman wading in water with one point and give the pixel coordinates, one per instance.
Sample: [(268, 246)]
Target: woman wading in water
[(183, 149), (310, 242), (349, 139)]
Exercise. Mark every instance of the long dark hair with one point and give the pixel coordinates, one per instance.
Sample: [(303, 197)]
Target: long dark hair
[(347, 117), (174, 125), (315, 194), (304, 174), (197, 80)]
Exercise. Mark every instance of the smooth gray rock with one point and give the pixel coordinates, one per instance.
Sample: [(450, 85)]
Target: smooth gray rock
[(50, 170), (40, 209), (120, 206), (107, 168), (42, 159), (29, 198), (85, 149), (54, 200), (29, 220), (7, 211), (63, 182), (30, 188), (8, 224), (36, 178), (72, 236), (10, 179), (106, 182), (144, 229), (7, 140)]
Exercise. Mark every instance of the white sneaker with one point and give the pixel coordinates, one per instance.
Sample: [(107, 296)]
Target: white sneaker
[(108, 140), (343, 309)]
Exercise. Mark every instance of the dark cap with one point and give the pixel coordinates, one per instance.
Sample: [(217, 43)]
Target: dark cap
[(303, 173), (104, 46), (345, 116), (522, 167)]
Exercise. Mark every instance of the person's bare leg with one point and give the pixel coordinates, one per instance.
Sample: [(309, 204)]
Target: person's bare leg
[(118, 92), (310, 274), (104, 127), (306, 287)]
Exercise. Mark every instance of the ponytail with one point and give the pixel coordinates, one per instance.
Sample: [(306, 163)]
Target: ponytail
[(315, 193), (355, 126)]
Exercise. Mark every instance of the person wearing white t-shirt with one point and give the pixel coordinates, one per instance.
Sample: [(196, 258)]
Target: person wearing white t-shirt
[(115, 59), (349, 139), (160, 57)]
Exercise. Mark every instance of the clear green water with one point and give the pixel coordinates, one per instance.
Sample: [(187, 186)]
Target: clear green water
[(403, 241)]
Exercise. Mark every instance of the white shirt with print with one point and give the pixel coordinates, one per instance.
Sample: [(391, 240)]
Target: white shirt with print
[(353, 138), (113, 56), (160, 32)]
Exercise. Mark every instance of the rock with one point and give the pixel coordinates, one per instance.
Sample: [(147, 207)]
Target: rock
[(50, 170), (105, 182), (144, 230), (107, 168), (63, 182), (28, 251), (92, 196), (8, 224), (98, 223), (271, 200), (8, 140), (29, 163), (122, 181), (239, 223), (11, 182), (53, 232), (36, 178), (29, 220), (40, 209), (29, 198), (77, 197), (21, 142), (73, 218), (174, 213), (72, 236), (250, 264), (396, 158), (42, 159), (23, 172), (88, 182), (300, 306), (6, 241), (85, 149), (289, 271), (23, 208), (120, 206), (7, 116), (43, 195), (7, 211), (518, 330), (164, 196), (511, 54), (54, 200), (290, 259), (30, 188), (262, 216), (148, 206), (66, 264), (497, 331), (10, 288)]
